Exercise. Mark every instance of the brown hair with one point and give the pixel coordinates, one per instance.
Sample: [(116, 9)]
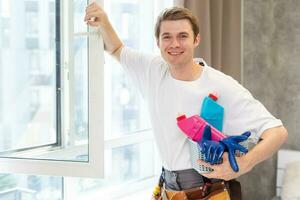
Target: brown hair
[(177, 13)]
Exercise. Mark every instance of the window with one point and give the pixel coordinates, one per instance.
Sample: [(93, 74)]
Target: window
[(89, 112), (49, 73)]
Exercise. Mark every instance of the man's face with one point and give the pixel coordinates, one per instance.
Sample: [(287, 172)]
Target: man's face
[(176, 42)]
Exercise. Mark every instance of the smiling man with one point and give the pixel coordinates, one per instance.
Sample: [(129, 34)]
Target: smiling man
[(177, 39), (174, 82)]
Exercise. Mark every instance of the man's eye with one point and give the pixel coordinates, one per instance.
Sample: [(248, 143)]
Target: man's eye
[(183, 36), (166, 37)]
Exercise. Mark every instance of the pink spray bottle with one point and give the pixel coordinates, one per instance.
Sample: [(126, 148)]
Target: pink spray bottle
[(193, 127)]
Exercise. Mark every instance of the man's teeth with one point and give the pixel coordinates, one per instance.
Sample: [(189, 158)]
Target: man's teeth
[(174, 53)]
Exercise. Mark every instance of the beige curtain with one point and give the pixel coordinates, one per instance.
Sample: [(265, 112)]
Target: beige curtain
[(220, 31)]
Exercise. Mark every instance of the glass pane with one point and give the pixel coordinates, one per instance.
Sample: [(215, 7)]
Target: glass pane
[(128, 112), (79, 130), (28, 97), (79, 13), (27, 75), (23, 187), (125, 165)]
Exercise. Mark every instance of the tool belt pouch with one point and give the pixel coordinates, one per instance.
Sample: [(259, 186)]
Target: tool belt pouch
[(216, 191)]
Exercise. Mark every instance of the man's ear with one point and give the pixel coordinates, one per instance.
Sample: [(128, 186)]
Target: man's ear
[(197, 40)]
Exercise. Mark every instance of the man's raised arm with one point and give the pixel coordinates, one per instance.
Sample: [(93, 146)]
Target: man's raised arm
[(96, 17)]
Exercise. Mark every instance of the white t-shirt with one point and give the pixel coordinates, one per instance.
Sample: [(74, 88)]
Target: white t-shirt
[(166, 97)]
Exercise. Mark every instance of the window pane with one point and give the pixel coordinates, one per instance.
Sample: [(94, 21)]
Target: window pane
[(124, 165), (127, 163), (132, 19), (27, 78), (23, 187), (79, 122), (79, 13), (28, 95), (75, 144), (81, 87)]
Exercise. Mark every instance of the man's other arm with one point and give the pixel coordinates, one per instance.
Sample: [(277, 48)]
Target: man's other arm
[(271, 141)]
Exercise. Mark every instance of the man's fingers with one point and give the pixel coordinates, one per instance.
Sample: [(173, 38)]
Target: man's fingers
[(91, 15), (93, 12), (92, 9), (91, 23)]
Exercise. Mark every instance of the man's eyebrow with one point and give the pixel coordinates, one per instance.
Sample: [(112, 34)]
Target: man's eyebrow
[(165, 33), (180, 33), (183, 33)]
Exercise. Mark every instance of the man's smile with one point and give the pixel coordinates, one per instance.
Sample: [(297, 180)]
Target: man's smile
[(175, 53)]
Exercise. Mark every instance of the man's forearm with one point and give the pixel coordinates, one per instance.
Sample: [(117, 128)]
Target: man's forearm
[(111, 40), (271, 141)]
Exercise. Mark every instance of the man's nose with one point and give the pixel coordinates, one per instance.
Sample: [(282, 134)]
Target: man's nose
[(175, 43)]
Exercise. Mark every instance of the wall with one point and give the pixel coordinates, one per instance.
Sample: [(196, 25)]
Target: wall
[(271, 71)]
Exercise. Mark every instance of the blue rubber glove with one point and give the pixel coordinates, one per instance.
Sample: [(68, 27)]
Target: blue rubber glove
[(212, 150), (232, 144)]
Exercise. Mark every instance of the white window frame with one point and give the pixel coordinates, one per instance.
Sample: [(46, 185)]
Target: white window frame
[(94, 167)]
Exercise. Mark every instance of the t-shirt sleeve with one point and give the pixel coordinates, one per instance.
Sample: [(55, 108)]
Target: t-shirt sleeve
[(137, 66), (248, 114)]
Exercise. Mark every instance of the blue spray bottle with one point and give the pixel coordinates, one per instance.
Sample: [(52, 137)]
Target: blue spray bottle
[(212, 112)]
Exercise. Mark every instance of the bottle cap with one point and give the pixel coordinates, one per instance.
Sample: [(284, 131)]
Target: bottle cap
[(213, 96), (181, 117)]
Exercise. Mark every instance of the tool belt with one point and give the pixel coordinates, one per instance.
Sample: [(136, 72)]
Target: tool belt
[(205, 190), (215, 191)]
